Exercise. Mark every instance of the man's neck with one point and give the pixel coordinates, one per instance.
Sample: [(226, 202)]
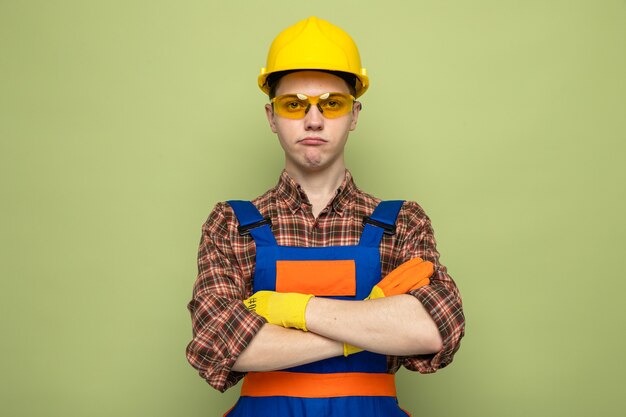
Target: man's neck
[(319, 186)]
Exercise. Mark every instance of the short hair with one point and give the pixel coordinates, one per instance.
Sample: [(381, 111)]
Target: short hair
[(273, 79)]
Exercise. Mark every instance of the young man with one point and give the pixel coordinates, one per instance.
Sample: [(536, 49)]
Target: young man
[(289, 291)]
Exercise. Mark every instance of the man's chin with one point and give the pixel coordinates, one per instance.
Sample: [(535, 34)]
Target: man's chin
[(313, 160)]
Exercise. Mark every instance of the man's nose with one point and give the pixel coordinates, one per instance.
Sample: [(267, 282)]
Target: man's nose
[(314, 120)]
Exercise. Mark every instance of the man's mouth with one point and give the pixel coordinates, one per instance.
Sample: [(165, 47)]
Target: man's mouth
[(312, 140)]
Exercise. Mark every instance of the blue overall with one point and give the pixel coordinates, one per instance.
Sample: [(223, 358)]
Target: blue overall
[(367, 263)]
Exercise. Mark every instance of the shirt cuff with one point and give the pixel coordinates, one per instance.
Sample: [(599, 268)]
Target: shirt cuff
[(445, 308), (214, 349)]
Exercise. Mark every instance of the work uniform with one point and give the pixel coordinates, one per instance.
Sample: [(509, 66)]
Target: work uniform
[(341, 386), (223, 327)]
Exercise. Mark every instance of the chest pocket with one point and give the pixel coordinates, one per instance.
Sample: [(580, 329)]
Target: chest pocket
[(317, 277)]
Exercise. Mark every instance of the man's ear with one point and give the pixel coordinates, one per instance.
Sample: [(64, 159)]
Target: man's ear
[(356, 109), (269, 112)]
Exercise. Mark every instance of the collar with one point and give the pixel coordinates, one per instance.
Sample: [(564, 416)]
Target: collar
[(291, 194)]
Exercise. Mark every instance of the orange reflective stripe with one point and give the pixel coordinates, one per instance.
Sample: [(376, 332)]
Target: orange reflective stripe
[(298, 384), (320, 278)]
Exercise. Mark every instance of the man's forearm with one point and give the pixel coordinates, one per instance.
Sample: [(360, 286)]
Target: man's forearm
[(396, 325), (274, 348)]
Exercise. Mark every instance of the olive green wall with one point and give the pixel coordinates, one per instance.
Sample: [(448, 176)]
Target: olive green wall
[(124, 122)]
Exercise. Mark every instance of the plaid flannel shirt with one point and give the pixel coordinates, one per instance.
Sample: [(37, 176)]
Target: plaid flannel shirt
[(223, 327)]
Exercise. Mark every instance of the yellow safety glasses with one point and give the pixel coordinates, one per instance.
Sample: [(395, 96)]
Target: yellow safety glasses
[(296, 106)]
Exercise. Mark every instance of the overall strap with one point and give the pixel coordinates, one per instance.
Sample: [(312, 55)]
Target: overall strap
[(251, 222), (382, 221)]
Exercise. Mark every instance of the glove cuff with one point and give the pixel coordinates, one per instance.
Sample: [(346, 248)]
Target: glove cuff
[(349, 349), (377, 292), (295, 309)]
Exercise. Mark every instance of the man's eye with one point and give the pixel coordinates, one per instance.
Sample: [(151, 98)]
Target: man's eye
[(293, 105), (333, 104)]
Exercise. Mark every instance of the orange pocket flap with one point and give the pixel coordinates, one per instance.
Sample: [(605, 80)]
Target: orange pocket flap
[(317, 277)]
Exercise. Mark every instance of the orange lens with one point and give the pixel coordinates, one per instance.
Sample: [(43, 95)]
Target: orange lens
[(290, 106), (296, 106), (335, 105)]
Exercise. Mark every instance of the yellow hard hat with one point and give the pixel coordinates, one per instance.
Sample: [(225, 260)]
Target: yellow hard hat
[(318, 45)]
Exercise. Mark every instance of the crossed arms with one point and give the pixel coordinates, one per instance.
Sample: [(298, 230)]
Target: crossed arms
[(422, 330), (397, 325)]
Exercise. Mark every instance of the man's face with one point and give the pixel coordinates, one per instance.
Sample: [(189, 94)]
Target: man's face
[(313, 143)]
